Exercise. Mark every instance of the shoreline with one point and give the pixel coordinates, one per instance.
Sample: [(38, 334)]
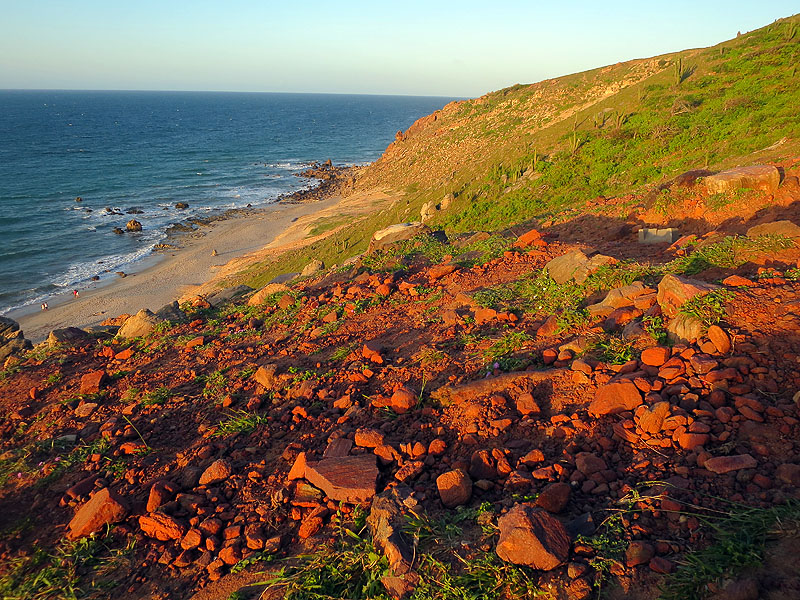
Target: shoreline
[(168, 275)]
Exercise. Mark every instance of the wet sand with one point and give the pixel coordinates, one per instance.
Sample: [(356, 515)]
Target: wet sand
[(166, 276)]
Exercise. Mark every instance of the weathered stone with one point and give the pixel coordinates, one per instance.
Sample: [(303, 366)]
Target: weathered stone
[(588, 463), (455, 488), (171, 312), (789, 474), (526, 404), (726, 464), (655, 356), (651, 419), (133, 225), (267, 290), (368, 438), (298, 470), (402, 401), (719, 338), (93, 381), (227, 295), (614, 398), (218, 471), (575, 265), (385, 523), (161, 526), (554, 497), (779, 228), (674, 292), (396, 233), (481, 465), (70, 336), (267, 376), (685, 329), (12, 340), (533, 538), (104, 508), (759, 177), (141, 324), (161, 492), (638, 553), (345, 479), (312, 268)]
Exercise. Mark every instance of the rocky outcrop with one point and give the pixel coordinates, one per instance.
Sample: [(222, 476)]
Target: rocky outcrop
[(575, 265), (345, 478), (171, 312), (396, 233), (68, 336), (779, 228), (532, 537), (760, 177), (133, 225), (139, 325), (267, 290), (103, 509), (675, 291), (12, 340), (227, 295)]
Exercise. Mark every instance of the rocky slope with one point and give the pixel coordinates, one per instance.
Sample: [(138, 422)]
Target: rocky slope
[(500, 413)]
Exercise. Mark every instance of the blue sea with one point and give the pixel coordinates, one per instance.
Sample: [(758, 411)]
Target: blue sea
[(124, 152)]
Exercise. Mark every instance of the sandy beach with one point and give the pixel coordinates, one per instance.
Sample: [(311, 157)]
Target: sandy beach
[(168, 275)]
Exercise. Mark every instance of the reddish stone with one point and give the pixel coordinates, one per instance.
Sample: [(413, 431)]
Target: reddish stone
[(193, 343), (218, 471), (661, 565), (481, 465), (651, 419), (93, 381), (588, 463), (737, 281), (719, 338), (484, 315), (372, 352), (298, 470), (638, 553), (437, 447), (402, 401), (615, 398), (383, 290), (690, 441), (104, 508), (160, 493), (439, 271), (528, 238), (547, 329), (192, 539), (124, 354), (455, 488), (532, 537), (368, 438), (526, 405), (161, 526), (345, 479), (554, 497), (789, 474), (674, 292), (311, 525)]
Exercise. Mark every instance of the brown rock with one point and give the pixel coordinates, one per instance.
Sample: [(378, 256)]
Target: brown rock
[(160, 493), (345, 479), (533, 538), (93, 381), (104, 508), (368, 438), (614, 398), (526, 405), (726, 464), (298, 470), (737, 281), (656, 356), (455, 488), (192, 539), (638, 553), (554, 497), (372, 352), (439, 271), (588, 463), (674, 292), (760, 177), (691, 441), (481, 465), (161, 526), (719, 338), (218, 471), (789, 474), (651, 419), (661, 565), (402, 401)]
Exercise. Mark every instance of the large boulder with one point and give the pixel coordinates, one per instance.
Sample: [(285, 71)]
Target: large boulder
[(12, 340), (575, 265), (230, 294), (674, 292), (393, 234), (614, 398), (133, 225), (455, 488), (685, 329), (532, 537), (70, 336), (171, 312), (780, 228), (267, 290), (141, 324), (760, 177), (312, 268)]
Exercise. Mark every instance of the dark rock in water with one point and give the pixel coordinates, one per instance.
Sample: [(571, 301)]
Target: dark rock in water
[(11, 339), (221, 297), (171, 312), (118, 231), (122, 273), (181, 205), (95, 277), (134, 211), (78, 199), (72, 336), (133, 225)]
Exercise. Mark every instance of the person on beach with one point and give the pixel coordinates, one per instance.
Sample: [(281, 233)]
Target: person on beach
[(75, 293), (44, 305)]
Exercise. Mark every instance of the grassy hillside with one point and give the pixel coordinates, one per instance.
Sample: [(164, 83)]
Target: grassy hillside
[(533, 150)]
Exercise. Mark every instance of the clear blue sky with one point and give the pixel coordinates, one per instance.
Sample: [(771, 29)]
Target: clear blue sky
[(449, 48)]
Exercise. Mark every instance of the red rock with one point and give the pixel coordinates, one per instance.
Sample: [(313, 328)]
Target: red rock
[(615, 398), (286, 301), (638, 553), (484, 315), (437, 447), (719, 338), (690, 441), (532, 537), (104, 508), (534, 457), (192, 539), (311, 525), (345, 479), (674, 292), (547, 329), (439, 271), (368, 438), (254, 536), (372, 352), (298, 470), (161, 526), (554, 497), (455, 488), (651, 419), (218, 471), (160, 493), (526, 405), (124, 354), (588, 463), (661, 565), (737, 281), (93, 381), (338, 447), (230, 555), (481, 465), (193, 343), (528, 238), (789, 474), (402, 401), (211, 526)]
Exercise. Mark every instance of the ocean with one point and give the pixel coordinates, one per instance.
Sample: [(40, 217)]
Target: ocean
[(134, 155)]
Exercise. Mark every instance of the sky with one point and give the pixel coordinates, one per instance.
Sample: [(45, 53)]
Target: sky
[(434, 48)]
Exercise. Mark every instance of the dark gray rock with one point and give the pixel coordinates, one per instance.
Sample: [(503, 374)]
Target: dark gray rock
[(71, 336), (221, 297), (172, 312)]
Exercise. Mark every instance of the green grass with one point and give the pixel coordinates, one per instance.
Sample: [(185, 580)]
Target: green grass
[(79, 570), (728, 253), (709, 309), (614, 350), (239, 421), (157, 396)]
